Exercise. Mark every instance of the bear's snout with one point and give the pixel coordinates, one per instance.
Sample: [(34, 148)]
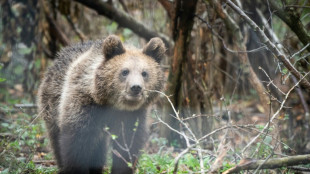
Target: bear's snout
[(136, 89)]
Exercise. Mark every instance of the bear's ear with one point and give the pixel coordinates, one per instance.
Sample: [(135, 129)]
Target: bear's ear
[(155, 49), (112, 46)]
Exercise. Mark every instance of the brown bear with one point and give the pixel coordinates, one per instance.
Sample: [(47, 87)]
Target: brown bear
[(97, 90)]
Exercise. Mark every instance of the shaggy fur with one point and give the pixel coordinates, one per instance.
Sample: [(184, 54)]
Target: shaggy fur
[(95, 90)]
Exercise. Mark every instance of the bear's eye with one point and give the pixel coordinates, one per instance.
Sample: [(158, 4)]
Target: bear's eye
[(125, 72), (144, 74)]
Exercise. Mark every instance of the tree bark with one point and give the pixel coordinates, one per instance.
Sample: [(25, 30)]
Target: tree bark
[(57, 32), (181, 28)]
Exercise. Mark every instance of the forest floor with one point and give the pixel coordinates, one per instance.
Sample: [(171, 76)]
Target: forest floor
[(24, 145)]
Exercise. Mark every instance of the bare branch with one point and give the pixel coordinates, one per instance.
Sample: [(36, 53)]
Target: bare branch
[(222, 152), (282, 57), (298, 52), (78, 32), (124, 20), (168, 5), (177, 159), (235, 32), (289, 16), (275, 114)]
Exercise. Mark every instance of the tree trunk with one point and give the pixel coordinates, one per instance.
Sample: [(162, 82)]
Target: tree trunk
[(182, 24)]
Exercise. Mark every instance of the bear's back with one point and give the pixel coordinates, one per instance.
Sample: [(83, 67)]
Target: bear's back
[(52, 85), (68, 55)]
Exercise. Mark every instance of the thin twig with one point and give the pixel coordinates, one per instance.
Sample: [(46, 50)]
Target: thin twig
[(78, 32), (281, 56), (301, 50), (274, 115)]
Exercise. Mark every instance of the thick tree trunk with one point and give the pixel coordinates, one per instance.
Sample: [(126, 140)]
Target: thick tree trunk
[(182, 24)]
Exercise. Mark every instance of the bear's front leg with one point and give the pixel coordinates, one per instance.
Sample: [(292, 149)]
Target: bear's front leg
[(83, 146), (127, 146)]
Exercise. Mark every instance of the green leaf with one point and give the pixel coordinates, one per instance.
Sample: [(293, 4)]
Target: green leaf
[(24, 50), (284, 71), (268, 140), (37, 63), (286, 147), (114, 137), (260, 127), (127, 32), (137, 123), (19, 69), (129, 164), (2, 79), (112, 28), (31, 165), (5, 124)]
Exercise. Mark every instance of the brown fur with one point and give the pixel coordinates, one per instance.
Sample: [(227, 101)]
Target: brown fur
[(94, 90)]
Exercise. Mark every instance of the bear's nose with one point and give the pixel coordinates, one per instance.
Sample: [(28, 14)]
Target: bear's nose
[(136, 89)]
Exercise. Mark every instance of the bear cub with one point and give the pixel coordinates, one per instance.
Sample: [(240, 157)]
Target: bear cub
[(95, 96)]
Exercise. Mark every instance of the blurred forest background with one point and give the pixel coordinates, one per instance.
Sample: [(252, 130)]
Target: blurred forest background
[(237, 95)]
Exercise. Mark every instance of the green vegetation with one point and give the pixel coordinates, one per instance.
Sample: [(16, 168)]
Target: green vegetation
[(22, 141), (164, 163), (24, 148)]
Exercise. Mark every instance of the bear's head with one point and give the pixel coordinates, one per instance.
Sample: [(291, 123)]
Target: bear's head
[(127, 74)]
